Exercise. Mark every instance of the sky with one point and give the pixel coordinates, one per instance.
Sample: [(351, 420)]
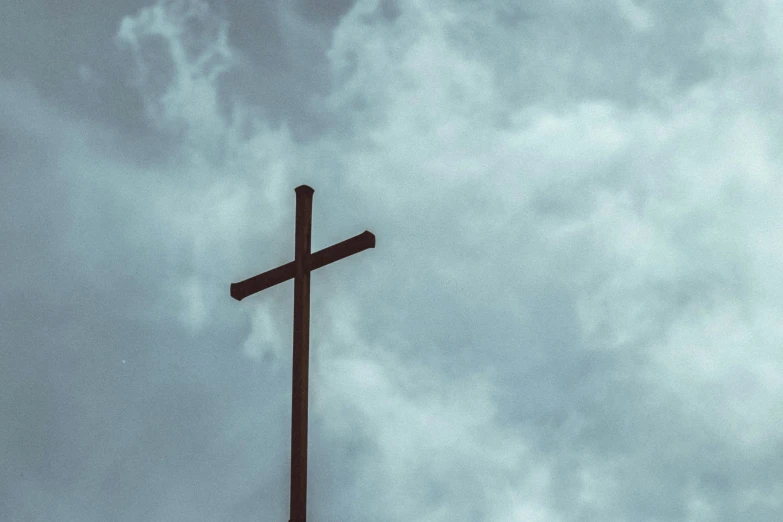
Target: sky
[(572, 312)]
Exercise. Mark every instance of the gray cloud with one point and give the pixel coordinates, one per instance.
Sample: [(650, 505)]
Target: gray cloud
[(570, 313)]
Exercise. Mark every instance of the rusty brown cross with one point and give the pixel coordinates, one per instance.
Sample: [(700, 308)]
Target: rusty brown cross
[(299, 270)]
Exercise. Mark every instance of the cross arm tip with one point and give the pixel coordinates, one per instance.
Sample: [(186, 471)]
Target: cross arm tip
[(304, 189), (370, 238), (235, 292)]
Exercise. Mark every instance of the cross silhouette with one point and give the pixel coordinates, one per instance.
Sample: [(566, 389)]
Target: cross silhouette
[(299, 270)]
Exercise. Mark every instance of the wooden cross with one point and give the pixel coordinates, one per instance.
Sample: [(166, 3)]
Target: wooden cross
[(299, 270)]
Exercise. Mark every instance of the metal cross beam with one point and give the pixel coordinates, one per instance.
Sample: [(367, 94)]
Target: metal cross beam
[(299, 270)]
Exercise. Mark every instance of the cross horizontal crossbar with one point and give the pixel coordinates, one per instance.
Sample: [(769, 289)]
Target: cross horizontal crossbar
[(314, 261)]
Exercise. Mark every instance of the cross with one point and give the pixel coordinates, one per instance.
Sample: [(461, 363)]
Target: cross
[(299, 270)]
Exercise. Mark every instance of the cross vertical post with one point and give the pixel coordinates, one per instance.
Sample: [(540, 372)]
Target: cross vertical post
[(301, 358), (299, 270)]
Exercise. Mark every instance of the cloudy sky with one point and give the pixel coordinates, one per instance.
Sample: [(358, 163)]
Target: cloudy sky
[(572, 312)]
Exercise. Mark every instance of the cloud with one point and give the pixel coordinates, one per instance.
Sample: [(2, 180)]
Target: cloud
[(570, 312), (180, 50), (637, 212)]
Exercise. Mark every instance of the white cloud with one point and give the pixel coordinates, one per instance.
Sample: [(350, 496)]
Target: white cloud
[(183, 43), (266, 339), (571, 311), (429, 434), (639, 18), (660, 200)]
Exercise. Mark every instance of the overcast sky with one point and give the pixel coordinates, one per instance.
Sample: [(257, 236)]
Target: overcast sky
[(573, 311)]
